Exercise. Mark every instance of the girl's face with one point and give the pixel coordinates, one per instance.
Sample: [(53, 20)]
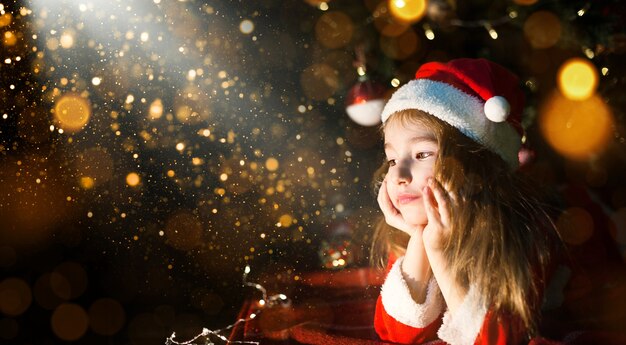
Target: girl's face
[(411, 151)]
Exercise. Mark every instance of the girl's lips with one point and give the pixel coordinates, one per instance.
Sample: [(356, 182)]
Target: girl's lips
[(404, 199)]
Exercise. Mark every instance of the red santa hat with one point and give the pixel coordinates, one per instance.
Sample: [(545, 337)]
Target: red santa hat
[(481, 99)]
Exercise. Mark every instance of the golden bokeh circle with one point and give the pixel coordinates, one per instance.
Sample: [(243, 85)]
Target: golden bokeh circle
[(578, 130), (45, 294), (72, 112), (15, 296), (6, 19), (542, 29), (133, 179), (69, 321), (387, 24), (402, 46), (74, 275), (271, 164), (319, 81), (577, 79), (334, 30), (409, 11), (575, 225), (9, 38), (106, 316)]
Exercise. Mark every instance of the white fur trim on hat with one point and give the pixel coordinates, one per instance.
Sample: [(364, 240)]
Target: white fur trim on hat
[(460, 110), (463, 327), (399, 304)]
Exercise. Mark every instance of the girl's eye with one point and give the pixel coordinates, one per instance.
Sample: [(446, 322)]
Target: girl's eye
[(391, 162), (423, 155)]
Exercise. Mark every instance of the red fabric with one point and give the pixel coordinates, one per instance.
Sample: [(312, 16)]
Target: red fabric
[(391, 330), (340, 310), (496, 329), (480, 78), (500, 330)]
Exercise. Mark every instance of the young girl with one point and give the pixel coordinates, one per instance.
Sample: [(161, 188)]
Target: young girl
[(466, 243)]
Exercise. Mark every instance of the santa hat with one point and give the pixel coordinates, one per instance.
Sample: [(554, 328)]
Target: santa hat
[(478, 97)]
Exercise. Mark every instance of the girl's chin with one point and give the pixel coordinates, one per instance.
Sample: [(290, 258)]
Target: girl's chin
[(414, 219)]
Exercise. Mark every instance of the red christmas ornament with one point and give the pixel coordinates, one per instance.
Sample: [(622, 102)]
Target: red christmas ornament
[(365, 102)]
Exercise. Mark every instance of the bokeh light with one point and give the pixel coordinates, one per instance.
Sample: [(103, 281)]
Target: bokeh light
[(575, 225), (246, 26), (334, 29), (577, 79), (46, 294), (156, 109), (319, 81), (402, 46), (133, 179), (408, 10), (5, 19), (72, 112), (73, 274), (386, 23), (578, 130), (9, 38), (271, 164), (67, 40), (15, 296), (106, 316), (69, 321), (542, 29)]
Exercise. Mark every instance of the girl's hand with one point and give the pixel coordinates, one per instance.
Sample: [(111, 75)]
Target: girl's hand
[(392, 215), (437, 206)]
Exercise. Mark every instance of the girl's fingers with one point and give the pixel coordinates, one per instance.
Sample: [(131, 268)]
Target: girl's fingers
[(429, 205), (441, 199)]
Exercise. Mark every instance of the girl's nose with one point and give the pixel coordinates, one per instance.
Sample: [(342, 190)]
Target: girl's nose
[(401, 174)]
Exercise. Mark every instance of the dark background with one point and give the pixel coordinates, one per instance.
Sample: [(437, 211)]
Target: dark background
[(111, 263)]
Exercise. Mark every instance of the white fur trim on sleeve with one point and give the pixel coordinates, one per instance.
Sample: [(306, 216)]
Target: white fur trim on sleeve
[(463, 327), (399, 304)]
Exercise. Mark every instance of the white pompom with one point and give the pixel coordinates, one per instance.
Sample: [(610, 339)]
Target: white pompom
[(497, 109)]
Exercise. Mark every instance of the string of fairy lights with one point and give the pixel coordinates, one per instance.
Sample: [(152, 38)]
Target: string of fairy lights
[(263, 303)]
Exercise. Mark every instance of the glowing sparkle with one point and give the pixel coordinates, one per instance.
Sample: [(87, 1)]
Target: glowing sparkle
[(271, 164), (246, 26), (156, 109), (87, 182), (67, 40), (577, 79), (96, 81), (72, 112), (133, 179), (408, 10)]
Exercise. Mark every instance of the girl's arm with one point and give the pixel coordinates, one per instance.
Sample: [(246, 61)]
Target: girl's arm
[(410, 305), (415, 267), (435, 233), (467, 320)]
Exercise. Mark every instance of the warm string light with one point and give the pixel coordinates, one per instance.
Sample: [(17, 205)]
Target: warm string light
[(263, 303), (489, 25)]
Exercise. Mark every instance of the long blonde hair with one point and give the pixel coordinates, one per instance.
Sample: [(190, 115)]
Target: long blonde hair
[(501, 235)]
